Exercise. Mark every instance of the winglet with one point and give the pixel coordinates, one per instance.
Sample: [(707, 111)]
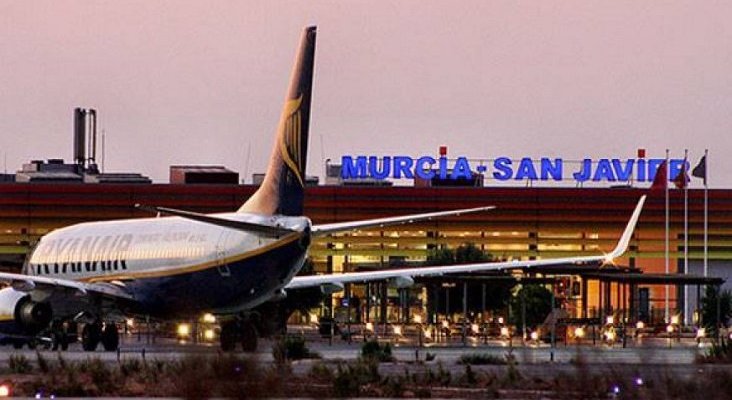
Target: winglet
[(622, 245)]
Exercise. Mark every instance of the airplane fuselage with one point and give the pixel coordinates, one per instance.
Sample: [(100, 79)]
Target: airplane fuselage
[(175, 266)]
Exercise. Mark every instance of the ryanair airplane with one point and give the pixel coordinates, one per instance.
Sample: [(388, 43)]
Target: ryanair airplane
[(186, 263)]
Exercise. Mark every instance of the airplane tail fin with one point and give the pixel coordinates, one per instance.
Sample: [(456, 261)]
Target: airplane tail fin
[(283, 188)]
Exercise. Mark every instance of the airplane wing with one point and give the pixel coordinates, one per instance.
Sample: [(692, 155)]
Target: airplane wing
[(326, 229), (45, 286), (339, 279)]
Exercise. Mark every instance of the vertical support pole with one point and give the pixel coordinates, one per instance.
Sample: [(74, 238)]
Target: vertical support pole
[(554, 325), (584, 297), (465, 313), (523, 315)]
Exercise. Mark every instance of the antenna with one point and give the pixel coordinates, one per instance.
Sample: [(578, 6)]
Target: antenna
[(246, 165), (104, 136), (322, 157)]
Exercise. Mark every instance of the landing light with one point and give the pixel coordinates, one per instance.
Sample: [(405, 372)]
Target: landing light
[(5, 390), (184, 330)]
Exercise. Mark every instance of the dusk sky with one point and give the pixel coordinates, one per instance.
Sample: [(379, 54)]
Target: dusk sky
[(178, 82)]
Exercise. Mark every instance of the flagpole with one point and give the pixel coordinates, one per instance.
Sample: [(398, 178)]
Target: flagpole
[(666, 302), (686, 235), (706, 216)]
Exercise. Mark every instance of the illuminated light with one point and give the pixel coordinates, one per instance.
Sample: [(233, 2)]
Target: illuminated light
[(701, 332), (398, 330), (669, 328), (5, 390), (639, 381), (610, 335), (417, 319), (130, 322), (616, 389), (184, 330), (610, 320), (504, 331), (428, 334), (369, 326), (209, 318), (535, 335), (500, 320), (475, 328), (640, 325), (675, 319), (445, 324), (209, 334), (579, 332), (313, 319)]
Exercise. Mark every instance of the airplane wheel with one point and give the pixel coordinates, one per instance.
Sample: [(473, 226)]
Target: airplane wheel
[(248, 337), (110, 337), (90, 336), (228, 336)]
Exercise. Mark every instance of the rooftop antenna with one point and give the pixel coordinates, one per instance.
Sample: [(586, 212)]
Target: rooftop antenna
[(246, 165), (322, 157), (104, 136)]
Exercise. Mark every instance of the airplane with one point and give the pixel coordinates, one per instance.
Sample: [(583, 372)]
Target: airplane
[(185, 263)]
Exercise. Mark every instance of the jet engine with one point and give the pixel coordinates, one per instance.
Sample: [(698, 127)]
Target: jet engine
[(29, 316)]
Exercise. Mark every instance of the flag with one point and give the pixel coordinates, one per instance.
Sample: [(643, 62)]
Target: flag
[(682, 180), (659, 182), (700, 171)]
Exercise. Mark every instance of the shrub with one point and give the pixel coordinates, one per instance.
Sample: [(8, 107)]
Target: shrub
[(372, 350), (720, 353), (481, 359), (19, 364), (291, 348)]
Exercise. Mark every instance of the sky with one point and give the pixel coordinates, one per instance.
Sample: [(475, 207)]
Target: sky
[(181, 82)]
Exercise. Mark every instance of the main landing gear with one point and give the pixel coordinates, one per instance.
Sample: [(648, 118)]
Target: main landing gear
[(94, 333), (243, 332)]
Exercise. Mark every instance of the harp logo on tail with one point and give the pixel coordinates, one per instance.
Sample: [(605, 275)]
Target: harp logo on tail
[(291, 143)]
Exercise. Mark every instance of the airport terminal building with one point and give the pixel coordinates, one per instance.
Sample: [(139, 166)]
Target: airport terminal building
[(528, 223)]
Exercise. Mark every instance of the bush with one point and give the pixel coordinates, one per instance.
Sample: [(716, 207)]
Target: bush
[(372, 350), (291, 348), (19, 364), (481, 359), (349, 379), (719, 353)]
